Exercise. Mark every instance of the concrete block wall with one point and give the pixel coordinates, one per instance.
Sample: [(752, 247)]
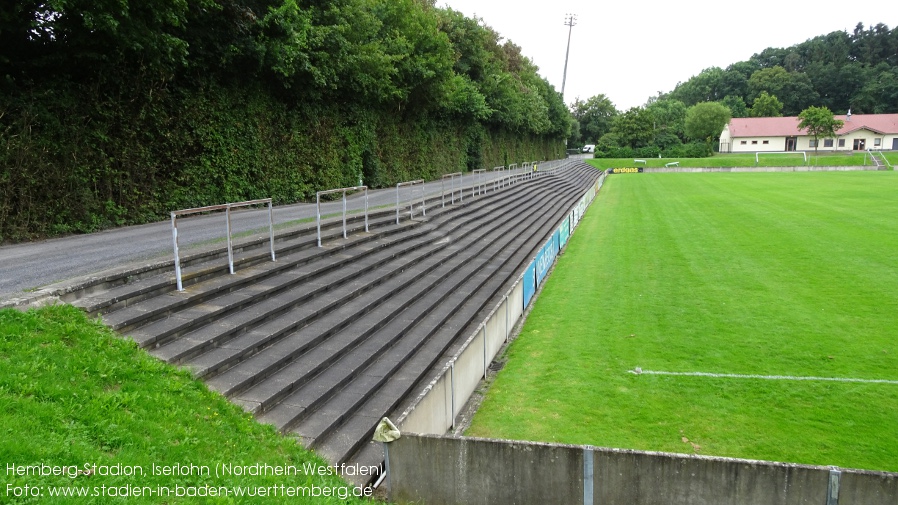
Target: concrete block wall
[(436, 470)]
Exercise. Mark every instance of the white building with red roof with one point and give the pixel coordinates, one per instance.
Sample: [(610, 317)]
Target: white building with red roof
[(781, 134)]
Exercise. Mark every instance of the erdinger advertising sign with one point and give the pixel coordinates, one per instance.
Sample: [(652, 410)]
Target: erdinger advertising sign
[(630, 170)]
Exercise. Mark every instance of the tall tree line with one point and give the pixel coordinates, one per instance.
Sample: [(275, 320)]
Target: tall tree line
[(117, 111), (840, 71)]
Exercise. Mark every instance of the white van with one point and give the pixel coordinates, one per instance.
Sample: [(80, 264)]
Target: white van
[(589, 148)]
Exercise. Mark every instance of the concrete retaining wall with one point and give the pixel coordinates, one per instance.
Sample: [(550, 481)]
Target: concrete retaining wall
[(435, 470)]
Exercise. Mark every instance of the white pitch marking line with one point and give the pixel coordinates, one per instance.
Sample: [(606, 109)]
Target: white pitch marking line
[(639, 371)]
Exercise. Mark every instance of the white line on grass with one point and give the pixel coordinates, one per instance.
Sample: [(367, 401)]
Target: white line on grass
[(639, 371)]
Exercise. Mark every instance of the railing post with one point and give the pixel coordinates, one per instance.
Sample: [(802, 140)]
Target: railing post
[(397, 203), (366, 209), (344, 214), (174, 238), (230, 249), (318, 215), (271, 229), (423, 200)]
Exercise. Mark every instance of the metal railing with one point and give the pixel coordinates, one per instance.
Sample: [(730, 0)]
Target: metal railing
[(411, 202), (478, 184), (211, 208), (452, 178), (344, 191), (880, 161)]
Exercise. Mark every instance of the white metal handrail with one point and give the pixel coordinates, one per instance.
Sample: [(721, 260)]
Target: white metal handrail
[(461, 188), (344, 191), (411, 203), (211, 208), (478, 185)]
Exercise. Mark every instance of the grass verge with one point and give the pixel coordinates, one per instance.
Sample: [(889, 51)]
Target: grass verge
[(74, 395), (772, 274)]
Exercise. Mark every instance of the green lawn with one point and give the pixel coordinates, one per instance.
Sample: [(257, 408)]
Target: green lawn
[(74, 395), (748, 160), (788, 274)]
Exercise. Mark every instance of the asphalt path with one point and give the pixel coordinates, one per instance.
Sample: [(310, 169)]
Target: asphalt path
[(29, 266)]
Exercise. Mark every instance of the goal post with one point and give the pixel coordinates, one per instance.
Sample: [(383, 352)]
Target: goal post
[(803, 153)]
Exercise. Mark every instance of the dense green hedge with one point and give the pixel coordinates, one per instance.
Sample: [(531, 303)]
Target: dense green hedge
[(72, 161), (116, 113)]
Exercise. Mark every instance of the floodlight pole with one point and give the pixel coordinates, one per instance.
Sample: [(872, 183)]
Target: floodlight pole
[(569, 21)]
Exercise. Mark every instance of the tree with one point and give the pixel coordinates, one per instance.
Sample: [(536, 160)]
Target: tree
[(705, 121), (633, 128), (668, 119), (594, 117), (792, 88), (820, 123), (736, 105), (766, 105)]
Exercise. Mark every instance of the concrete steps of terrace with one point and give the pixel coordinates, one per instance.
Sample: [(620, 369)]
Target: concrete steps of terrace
[(326, 341)]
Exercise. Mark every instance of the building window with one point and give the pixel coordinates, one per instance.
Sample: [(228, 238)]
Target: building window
[(766, 142), (827, 142), (753, 142), (744, 142), (841, 142), (876, 142), (812, 143)]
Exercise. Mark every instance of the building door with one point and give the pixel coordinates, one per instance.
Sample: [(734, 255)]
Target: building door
[(860, 144), (895, 144), (790, 143)]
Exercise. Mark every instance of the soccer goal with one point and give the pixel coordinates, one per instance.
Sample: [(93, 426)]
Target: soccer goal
[(793, 153)]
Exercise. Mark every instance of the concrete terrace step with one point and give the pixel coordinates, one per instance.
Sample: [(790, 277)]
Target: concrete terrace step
[(321, 328), (406, 324), (326, 341), (130, 317), (408, 358), (176, 326)]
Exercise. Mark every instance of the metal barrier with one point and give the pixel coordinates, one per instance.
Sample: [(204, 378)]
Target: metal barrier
[(495, 178), (451, 178), (478, 185), (210, 208), (331, 191), (411, 202)]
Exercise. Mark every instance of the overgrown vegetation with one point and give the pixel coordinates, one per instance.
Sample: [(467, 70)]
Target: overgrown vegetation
[(115, 113), (75, 395)]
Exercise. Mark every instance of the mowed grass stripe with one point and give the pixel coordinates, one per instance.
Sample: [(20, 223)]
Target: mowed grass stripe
[(767, 274)]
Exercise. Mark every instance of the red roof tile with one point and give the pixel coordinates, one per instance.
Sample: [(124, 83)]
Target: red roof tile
[(788, 126)]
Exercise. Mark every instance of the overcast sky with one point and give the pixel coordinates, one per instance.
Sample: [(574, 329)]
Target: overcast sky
[(631, 50)]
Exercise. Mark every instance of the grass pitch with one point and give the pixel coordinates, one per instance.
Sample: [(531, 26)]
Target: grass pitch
[(788, 274)]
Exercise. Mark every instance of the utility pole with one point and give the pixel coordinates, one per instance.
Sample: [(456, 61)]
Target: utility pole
[(569, 21)]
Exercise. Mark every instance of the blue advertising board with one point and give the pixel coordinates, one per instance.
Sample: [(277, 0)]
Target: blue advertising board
[(546, 257), (564, 232), (529, 283)]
